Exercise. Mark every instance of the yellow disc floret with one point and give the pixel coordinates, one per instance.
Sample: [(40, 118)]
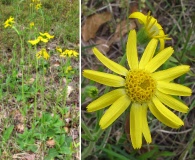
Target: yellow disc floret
[(140, 86)]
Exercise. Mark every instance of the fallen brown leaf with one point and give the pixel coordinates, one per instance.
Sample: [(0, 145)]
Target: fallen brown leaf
[(50, 143), (122, 28), (93, 23), (103, 45)]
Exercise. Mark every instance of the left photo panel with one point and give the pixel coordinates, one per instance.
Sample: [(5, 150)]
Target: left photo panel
[(39, 80)]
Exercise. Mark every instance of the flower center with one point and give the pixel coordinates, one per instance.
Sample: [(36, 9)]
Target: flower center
[(140, 86)]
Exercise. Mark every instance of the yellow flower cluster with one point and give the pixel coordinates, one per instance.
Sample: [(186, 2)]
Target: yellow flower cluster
[(67, 53), (44, 37), (9, 22), (36, 3), (42, 53)]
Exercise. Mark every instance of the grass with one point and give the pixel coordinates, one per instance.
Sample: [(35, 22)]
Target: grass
[(39, 116), (177, 19)]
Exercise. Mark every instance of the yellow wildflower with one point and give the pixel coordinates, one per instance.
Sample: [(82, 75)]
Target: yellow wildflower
[(9, 22), (75, 54), (46, 35), (38, 6), (68, 69), (42, 39), (140, 88), (32, 24), (42, 53), (34, 42), (59, 49), (151, 28)]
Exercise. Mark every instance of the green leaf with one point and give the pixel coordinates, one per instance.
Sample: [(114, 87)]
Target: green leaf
[(51, 154), (65, 150), (7, 133)]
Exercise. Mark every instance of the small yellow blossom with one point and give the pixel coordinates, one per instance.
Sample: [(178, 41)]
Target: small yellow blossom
[(151, 28), (42, 39), (9, 22), (75, 54), (59, 49), (139, 88), (68, 69), (46, 35), (32, 24), (42, 53), (69, 53), (38, 6), (34, 42)]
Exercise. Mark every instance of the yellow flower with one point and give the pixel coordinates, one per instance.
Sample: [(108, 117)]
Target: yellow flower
[(38, 6), (75, 54), (151, 27), (9, 22), (46, 35), (42, 39), (34, 42), (68, 69), (59, 49), (140, 88), (42, 53), (32, 24)]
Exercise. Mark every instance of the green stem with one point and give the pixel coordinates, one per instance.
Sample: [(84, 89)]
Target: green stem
[(86, 130)]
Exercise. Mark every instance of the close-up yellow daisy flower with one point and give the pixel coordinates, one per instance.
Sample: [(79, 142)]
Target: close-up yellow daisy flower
[(141, 87), (151, 28)]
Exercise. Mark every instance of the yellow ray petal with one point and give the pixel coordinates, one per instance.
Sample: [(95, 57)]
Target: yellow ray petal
[(136, 121), (115, 110), (163, 114), (173, 89), (131, 50), (140, 16), (162, 40), (110, 64), (145, 128), (159, 59), (148, 53), (105, 100), (172, 102), (171, 73), (104, 78)]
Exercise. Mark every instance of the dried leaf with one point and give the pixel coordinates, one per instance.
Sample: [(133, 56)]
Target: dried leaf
[(50, 143), (103, 45), (20, 127), (122, 28), (93, 23)]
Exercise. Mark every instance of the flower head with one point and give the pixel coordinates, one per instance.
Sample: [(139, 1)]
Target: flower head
[(42, 53), (32, 24), (151, 28), (9, 22), (47, 35), (38, 6), (140, 88), (68, 53)]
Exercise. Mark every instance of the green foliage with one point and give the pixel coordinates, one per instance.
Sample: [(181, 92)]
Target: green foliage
[(7, 133), (47, 127)]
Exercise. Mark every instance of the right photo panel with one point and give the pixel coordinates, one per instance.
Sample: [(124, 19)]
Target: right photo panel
[(137, 80)]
